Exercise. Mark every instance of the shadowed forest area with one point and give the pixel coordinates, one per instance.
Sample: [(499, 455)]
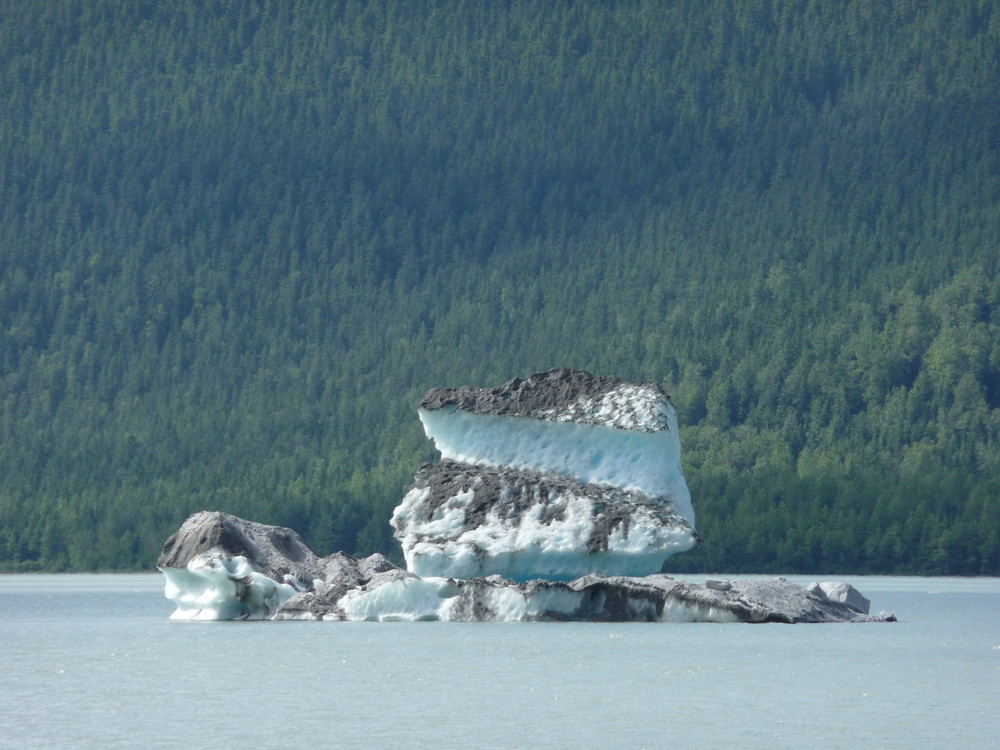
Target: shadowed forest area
[(240, 240)]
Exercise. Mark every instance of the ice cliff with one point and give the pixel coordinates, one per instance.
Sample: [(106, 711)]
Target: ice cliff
[(554, 476)]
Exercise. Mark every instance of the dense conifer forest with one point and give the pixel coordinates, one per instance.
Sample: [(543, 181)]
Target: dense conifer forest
[(239, 241)]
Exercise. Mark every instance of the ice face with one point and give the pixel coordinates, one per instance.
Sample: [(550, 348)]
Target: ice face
[(647, 462)]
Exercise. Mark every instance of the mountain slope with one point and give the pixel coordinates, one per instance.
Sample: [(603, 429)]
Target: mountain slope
[(240, 241)]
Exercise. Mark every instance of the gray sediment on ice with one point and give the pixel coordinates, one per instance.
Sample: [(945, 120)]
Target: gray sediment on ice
[(275, 551), (557, 395)]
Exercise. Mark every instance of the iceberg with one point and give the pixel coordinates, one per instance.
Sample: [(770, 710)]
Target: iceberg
[(555, 476), (557, 497)]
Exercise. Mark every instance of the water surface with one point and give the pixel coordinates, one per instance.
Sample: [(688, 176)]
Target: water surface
[(94, 661)]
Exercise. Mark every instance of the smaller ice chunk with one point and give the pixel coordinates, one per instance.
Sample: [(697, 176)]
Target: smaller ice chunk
[(216, 586), (221, 567), (838, 591)]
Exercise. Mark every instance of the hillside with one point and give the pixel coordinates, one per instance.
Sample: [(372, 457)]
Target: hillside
[(239, 241)]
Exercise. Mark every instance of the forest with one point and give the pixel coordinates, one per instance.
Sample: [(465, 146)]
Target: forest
[(240, 240)]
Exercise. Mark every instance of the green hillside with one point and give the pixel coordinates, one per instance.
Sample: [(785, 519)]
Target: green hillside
[(239, 240)]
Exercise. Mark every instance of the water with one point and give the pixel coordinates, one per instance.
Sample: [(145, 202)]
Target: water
[(93, 661)]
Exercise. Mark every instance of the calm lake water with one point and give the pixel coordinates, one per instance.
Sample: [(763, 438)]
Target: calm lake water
[(94, 661)]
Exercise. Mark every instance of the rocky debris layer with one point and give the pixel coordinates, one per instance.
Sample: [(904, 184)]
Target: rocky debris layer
[(344, 574), (554, 476), (220, 567), (277, 552), (594, 598), (563, 395), (463, 521), (659, 598)]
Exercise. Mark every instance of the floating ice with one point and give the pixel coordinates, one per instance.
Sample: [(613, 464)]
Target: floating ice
[(837, 591), (558, 498)]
